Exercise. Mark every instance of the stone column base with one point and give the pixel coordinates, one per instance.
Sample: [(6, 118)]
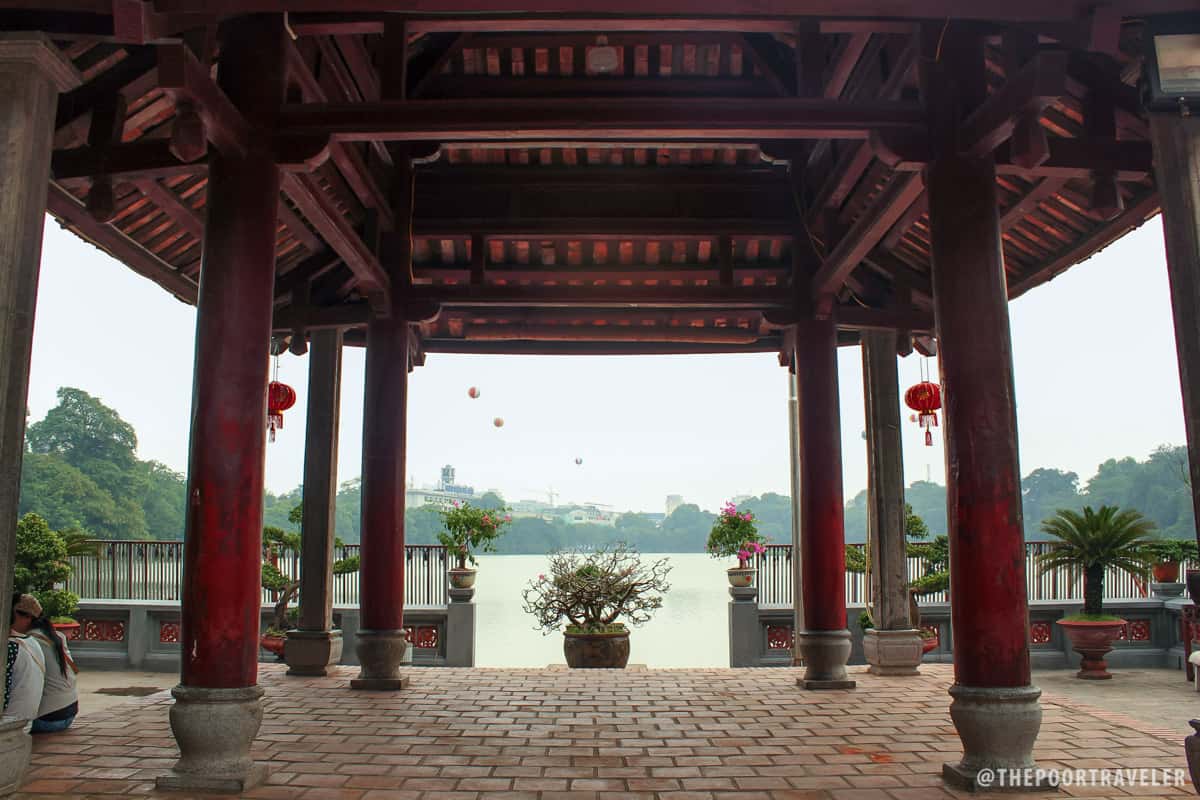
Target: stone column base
[(825, 654), (214, 729), (312, 652), (15, 748), (892, 652), (379, 654), (997, 726)]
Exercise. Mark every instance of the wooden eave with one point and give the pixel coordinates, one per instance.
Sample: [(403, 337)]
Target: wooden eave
[(656, 208)]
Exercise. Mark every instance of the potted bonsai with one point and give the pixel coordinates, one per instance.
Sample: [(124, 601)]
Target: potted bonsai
[(735, 534), (1093, 542), (469, 529), (283, 588), (42, 563), (595, 594)]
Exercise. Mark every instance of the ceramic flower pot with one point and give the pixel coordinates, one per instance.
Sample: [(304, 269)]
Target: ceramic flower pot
[(68, 629), (1092, 640), (929, 645), (462, 578), (273, 644), (1167, 572), (596, 650), (740, 577)]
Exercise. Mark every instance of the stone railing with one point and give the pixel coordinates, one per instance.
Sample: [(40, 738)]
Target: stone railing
[(1154, 637), (145, 634), (774, 579), (153, 570)]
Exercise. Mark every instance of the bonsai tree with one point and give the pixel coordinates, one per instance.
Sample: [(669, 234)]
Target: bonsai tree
[(470, 529), (591, 592), (735, 534), (41, 563), (1093, 542), (284, 589), (935, 554)]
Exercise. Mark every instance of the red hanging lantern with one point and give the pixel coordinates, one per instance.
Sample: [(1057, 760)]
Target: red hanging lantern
[(280, 397), (925, 398)]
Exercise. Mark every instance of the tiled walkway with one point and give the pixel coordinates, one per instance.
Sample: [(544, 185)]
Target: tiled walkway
[(683, 734)]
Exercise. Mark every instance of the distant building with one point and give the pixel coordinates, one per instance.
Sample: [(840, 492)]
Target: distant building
[(674, 501), (589, 515), (444, 495)]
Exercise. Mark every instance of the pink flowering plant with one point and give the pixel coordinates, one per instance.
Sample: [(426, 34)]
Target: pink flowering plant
[(735, 534), (470, 529)]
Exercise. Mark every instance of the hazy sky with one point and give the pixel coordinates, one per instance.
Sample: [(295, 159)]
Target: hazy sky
[(1096, 378)]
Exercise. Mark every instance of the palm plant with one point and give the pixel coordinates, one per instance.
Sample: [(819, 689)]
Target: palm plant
[(1095, 541)]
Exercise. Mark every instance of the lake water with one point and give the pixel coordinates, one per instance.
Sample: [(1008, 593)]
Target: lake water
[(696, 604)]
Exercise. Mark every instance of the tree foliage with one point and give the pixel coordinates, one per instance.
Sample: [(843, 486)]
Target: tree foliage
[(41, 562)]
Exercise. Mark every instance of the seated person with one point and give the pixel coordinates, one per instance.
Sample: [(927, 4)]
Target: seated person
[(60, 696), (25, 665)]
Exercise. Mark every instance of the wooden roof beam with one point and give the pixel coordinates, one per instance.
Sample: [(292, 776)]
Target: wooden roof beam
[(182, 77), (336, 230), (145, 159), (866, 232), (63, 205), (1067, 158), (585, 229), (1132, 217), (697, 297), (348, 161), (599, 10), (324, 23), (1027, 94), (689, 119)]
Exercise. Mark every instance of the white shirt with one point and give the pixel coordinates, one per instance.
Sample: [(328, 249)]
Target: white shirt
[(60, 690), (29, 677)]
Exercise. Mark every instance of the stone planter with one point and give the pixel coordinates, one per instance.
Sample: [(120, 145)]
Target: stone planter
[(462, 578), (596, 650), (1167, 572), (740, 577), (894, 652), (1092, 640)]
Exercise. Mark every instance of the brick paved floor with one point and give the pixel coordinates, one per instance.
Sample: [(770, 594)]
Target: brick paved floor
[(521, 733)]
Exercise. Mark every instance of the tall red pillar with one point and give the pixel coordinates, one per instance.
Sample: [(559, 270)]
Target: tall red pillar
[(380, 643), (824, 643), (994, 708), (218, 708)]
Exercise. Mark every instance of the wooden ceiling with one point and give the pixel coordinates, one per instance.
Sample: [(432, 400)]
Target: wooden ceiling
[(725, 173)]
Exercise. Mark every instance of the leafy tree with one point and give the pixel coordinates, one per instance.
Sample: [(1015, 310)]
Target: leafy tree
[(164, 501), (491, 500), (41, 561), (65, 497), (1043, 492), (91, 437)]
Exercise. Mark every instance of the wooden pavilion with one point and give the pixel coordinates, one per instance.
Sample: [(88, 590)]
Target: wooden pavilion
[(566, 176)]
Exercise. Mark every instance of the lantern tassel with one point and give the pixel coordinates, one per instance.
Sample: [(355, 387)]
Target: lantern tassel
[(928, 439)]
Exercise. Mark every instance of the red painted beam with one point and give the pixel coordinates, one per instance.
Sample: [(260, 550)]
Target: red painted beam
[(600, 119)]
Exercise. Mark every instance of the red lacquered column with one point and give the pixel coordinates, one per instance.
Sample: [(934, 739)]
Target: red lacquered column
[(217, 710), (380, 641), (995, 709), (824, 643)]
